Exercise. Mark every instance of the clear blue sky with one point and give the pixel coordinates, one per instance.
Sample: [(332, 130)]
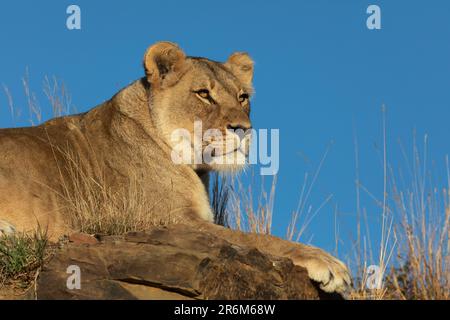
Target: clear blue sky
[(319, 70)]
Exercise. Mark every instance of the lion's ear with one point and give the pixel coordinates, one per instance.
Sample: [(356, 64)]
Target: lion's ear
[(241, 65), (163, 61)]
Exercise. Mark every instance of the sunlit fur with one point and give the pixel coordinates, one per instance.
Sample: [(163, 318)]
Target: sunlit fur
[(178, 106)]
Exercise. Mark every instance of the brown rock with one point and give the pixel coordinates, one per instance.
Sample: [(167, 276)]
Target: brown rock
[(82, 238), (175, 262)]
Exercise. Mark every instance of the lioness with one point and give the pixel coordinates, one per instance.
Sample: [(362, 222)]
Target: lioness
[(131, 134)]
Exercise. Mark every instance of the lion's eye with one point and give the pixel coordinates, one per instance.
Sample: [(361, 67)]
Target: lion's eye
[(203, 93), (243, 98)]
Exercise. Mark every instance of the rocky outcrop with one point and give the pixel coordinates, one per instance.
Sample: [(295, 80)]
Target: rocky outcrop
[(175, 262)]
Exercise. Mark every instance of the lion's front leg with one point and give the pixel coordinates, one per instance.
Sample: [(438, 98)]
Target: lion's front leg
[(331, 274)]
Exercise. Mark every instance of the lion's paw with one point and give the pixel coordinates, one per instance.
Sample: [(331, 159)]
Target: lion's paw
[(6, 228), (331, 273)]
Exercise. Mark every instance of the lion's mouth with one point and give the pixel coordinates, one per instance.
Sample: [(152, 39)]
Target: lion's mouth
[(227, 148), (215, 152), (232, 144)]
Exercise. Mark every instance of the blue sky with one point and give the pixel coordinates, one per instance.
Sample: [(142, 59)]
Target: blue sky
[(320, 76)]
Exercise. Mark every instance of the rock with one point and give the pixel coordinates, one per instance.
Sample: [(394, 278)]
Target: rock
[(174, 262), (82, 238)]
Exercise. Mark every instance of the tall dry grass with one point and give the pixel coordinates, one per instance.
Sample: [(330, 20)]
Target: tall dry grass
[(246, 209), (58, 101), (414, 247), (96, 208), (422, 270)]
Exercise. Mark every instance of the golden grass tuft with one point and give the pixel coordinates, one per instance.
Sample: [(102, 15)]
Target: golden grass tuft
[(96, 208)]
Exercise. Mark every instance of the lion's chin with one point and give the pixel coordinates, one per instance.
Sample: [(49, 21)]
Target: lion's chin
[(233, 162)]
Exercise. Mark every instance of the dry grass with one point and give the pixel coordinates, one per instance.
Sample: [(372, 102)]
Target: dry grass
[(413, 253), (59, 101), (369, 282), (423, 267), (96, 208), (249, 214), (241, 210)]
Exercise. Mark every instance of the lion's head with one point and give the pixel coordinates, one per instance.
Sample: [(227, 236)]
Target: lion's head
[(201, 106)]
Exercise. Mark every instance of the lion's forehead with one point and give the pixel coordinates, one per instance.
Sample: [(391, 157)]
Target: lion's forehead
[(215, 74)]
